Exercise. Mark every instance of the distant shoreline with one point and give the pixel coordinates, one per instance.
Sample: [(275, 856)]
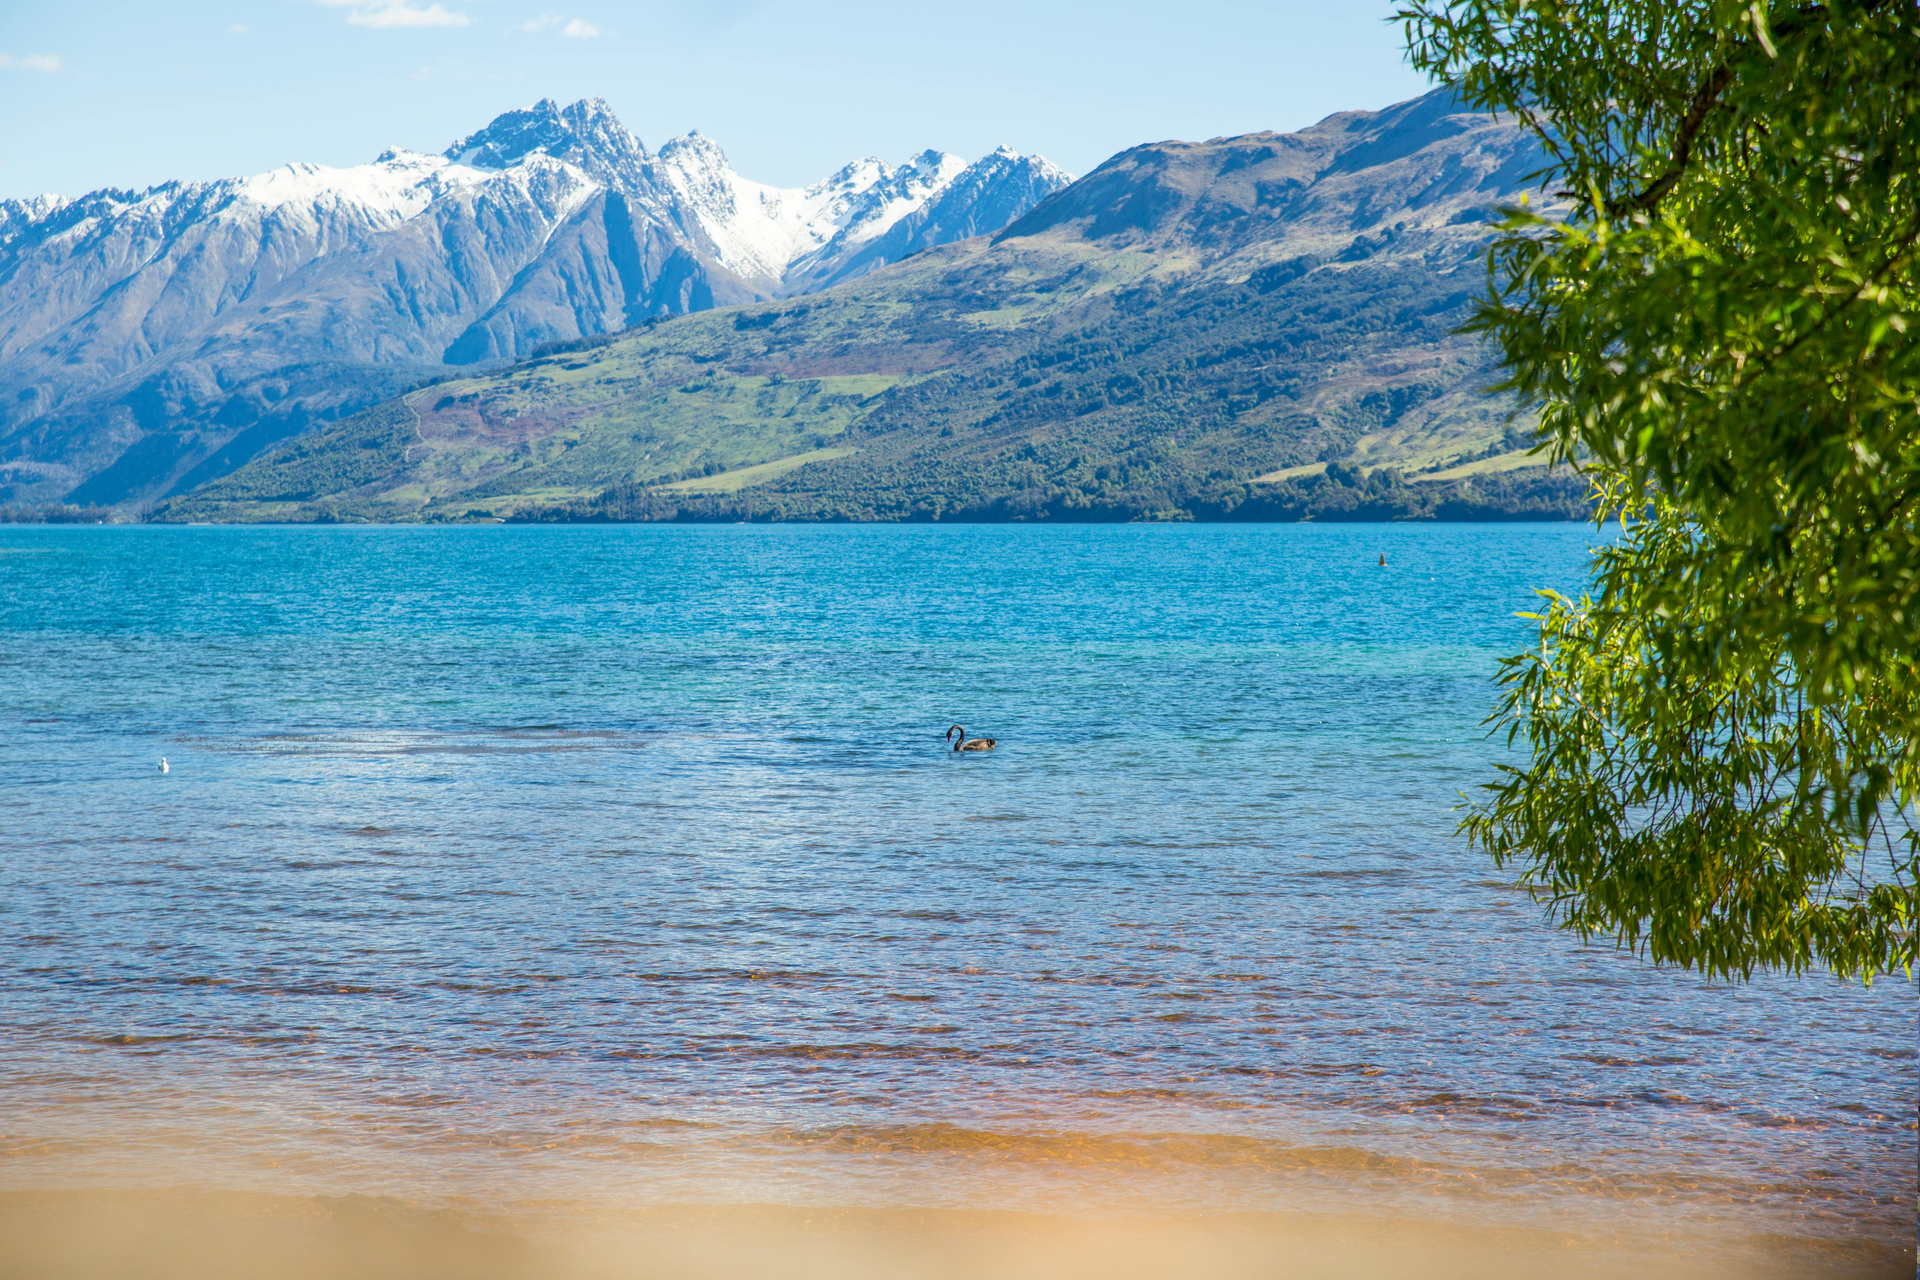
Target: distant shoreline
[(690, 518), (1532, 496)]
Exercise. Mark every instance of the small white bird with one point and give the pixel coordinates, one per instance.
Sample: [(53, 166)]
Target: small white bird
[(163, 764)]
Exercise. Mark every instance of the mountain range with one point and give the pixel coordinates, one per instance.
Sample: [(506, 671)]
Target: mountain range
[(152, 341), (1254, 327)]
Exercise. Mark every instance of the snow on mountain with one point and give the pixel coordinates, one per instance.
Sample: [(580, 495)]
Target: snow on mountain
[(755, 230), (977, 199), (152, 339), (796, 240), (397, 186), (20, 213), (586, 135), (760, 231)]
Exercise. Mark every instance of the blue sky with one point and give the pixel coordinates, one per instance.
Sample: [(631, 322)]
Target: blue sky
[(122, 93)]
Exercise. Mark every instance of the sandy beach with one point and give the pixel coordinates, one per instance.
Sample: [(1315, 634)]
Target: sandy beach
[(239, 1236)]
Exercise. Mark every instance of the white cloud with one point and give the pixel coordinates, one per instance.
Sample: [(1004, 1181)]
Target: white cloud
[(238, 28), (405, 15), (48, 62), (396, 13), (572, 28)]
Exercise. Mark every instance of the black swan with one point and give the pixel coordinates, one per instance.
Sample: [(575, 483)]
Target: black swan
[(968, 744)]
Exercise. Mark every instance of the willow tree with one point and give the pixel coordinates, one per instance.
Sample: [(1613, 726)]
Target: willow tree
[(1713, 311)]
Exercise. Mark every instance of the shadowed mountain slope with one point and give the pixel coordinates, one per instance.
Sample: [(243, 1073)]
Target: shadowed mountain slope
[(1245, 327)]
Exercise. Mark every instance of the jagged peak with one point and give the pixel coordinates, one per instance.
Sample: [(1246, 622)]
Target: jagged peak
[(33, 206), (1005, 160), (587, 133), (22, 212), (509, 136), (594, 123), (588, 111), (693, 144)]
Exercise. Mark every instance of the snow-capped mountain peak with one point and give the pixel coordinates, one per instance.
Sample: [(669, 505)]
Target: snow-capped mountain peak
[(757, 231), (394, 188), (694, 160), (234, 312), (511, 136), (760, 231), (21, 213), (586, 134)]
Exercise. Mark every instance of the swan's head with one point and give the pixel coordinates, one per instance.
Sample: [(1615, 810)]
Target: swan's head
[(956, 729)]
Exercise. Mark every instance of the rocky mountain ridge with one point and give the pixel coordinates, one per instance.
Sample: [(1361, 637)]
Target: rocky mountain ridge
[(151, 341)]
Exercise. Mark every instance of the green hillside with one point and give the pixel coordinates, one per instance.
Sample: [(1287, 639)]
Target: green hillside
[(1254, 327)]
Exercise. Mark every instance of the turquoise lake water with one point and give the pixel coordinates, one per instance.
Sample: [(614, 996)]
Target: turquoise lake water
[(628, 865)]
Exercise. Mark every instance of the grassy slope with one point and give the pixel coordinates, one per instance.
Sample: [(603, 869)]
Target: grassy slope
[(1157, 369), (1074, 393)]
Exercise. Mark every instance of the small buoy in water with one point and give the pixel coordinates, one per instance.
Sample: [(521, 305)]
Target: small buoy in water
[(163, 764), (1383, 559)]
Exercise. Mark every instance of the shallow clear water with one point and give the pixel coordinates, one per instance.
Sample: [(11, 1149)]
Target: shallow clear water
[(628, 865)]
